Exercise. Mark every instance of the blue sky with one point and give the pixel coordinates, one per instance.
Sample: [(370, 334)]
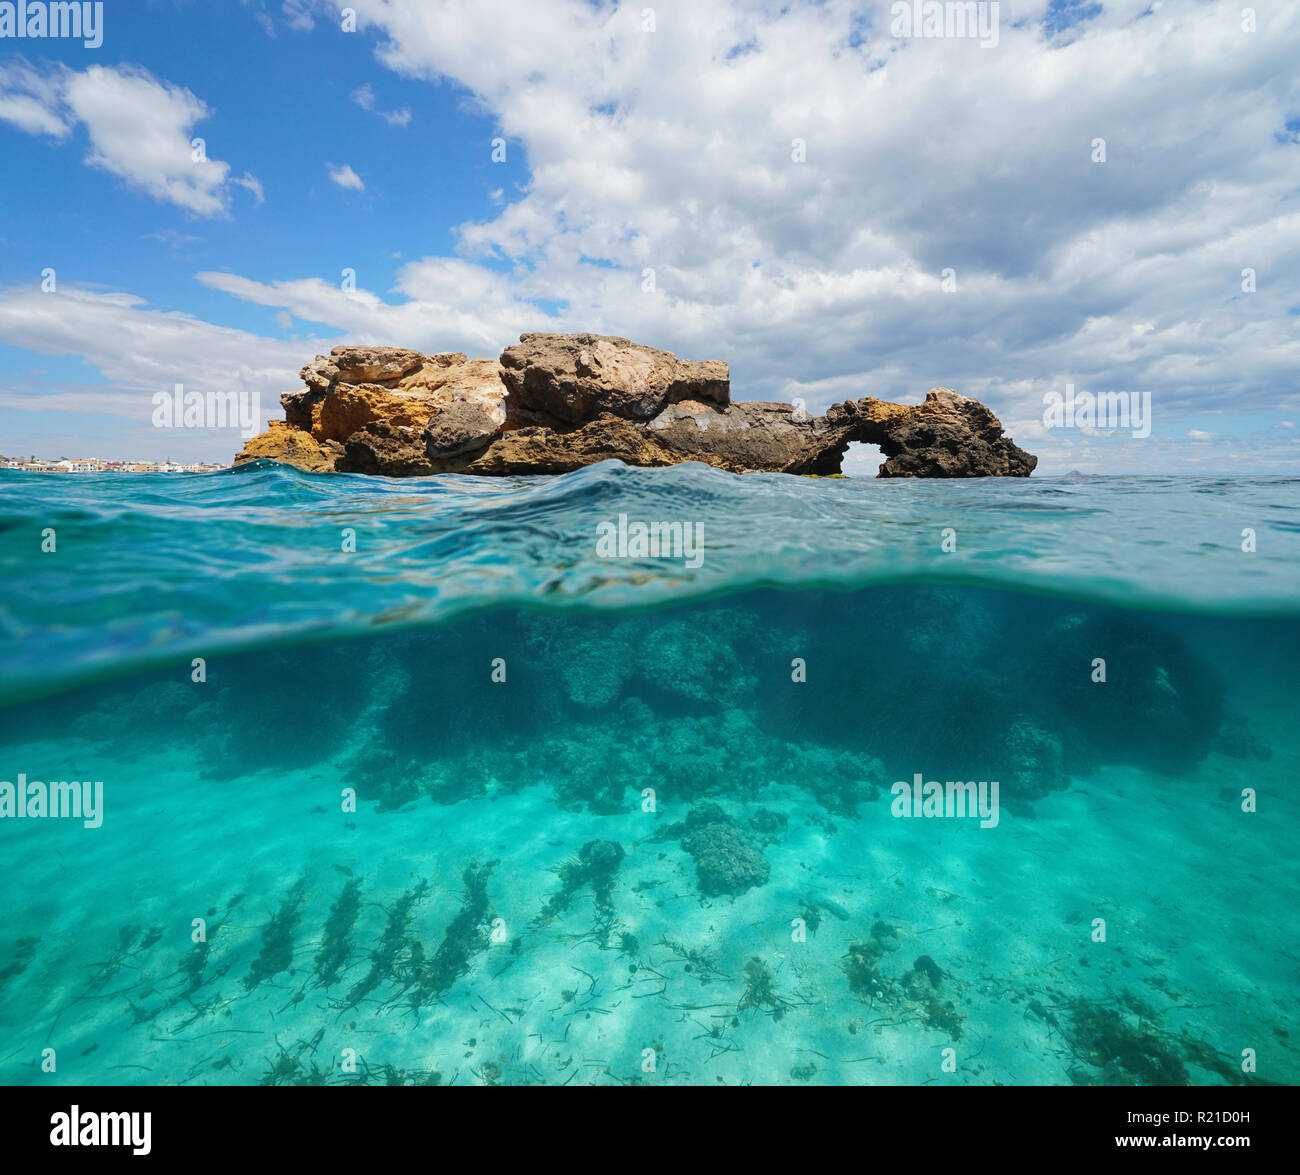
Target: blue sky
[(668, 148), (280, 110)]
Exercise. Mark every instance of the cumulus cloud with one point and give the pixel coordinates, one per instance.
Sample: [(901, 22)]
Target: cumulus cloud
[(136, 351), (140, 129), (31, 101), (345, 177), (142, 350), (838, 210), (448, 305)]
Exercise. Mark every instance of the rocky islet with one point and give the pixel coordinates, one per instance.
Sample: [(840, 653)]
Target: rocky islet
[(554, 403)]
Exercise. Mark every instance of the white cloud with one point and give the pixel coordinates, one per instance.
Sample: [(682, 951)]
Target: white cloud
[(174, 239), (260, 15), (252, 184), (30, 100), (137, 351), (364, 96), (140, 129), (672, 151), (345, 177), (450, 305), (298, 14)]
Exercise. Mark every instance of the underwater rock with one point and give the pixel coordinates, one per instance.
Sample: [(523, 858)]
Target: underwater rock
[(592, 663), (694, 662), (1159, 704), (1037, 765), (597, 664), (601, 857), (768, 825), (554, 403), (727, 861)]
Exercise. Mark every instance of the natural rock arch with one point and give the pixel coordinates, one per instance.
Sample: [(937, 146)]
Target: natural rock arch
[(555, 403)]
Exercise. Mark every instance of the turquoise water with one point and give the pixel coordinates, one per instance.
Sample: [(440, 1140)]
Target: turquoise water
[(415, 782)]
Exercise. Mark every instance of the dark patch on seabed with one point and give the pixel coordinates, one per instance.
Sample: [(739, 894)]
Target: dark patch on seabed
[(665, 847)]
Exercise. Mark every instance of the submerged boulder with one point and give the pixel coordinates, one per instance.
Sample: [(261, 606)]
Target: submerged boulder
[(727, 859), (554, 403), (1130, 691)]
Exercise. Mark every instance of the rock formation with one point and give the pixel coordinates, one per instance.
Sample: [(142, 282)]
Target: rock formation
[(556, 402)]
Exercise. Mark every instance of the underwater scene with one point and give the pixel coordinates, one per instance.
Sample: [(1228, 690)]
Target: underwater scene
[(648, 777)]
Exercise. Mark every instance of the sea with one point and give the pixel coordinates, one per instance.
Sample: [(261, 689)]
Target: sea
[(648, 777)]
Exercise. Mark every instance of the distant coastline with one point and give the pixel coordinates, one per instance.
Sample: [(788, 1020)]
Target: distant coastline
[(100, 465)]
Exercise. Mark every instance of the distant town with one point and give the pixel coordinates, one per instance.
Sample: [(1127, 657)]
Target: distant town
[(99, 465)]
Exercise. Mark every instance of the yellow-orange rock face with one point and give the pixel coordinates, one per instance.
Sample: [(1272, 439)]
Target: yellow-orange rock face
[(282, 442)]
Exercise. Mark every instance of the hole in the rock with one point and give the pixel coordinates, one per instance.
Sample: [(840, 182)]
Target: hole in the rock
[(862, 460)]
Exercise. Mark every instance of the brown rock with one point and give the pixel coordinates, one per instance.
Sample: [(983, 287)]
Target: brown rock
[(464, 426), (349, 407), (444, 403), (571, 379), (749, 436), (556, 403), (284, 443), (359, 365), (299, 407), (380, 447), (544, 450), (356, 386), (948, 435)]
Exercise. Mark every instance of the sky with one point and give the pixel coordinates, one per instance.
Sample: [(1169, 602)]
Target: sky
[(1104, 196)]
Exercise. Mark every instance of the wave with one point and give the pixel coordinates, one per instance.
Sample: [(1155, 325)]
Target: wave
[(147, 569)]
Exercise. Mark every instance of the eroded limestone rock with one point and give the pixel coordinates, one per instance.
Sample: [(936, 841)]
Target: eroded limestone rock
[(555, 403), (571, 379)]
